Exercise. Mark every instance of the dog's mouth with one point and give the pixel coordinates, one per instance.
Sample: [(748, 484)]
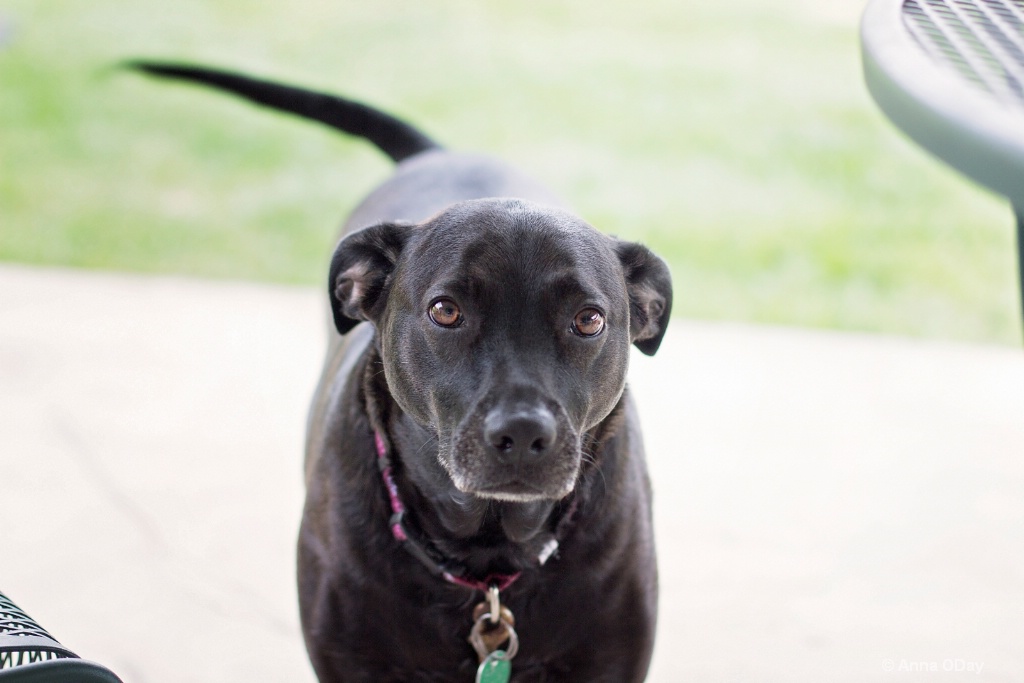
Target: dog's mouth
[(478, 468), (554, 481), (522, 507), (514, 449), (515, 491)]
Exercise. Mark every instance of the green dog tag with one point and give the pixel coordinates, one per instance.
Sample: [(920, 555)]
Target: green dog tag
[(493, 669)]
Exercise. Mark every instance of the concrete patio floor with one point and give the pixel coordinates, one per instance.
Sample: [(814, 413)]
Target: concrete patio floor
[(829, 507)]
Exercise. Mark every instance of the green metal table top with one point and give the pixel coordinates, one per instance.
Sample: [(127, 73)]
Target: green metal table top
[(950, 74)]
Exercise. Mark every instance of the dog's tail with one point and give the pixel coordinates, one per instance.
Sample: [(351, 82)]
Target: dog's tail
[(395, 138)]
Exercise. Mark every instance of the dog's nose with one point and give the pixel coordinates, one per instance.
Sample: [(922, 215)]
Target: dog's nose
[(520, 434)]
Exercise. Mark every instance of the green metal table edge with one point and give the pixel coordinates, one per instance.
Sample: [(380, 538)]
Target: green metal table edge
[(953, 119)]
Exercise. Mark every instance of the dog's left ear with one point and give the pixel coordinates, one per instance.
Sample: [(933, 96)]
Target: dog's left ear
[(360, 272), (649, 285)]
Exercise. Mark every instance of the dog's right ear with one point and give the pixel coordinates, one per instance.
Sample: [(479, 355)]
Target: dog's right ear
[(361, 270)]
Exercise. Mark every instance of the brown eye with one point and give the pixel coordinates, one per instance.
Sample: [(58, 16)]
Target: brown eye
[(588, 323), (445, 313)]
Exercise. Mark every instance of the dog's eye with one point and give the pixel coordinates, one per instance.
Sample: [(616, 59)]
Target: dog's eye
[(588, 323), (446, 313)]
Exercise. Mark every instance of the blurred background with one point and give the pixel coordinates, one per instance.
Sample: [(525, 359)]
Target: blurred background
[(737, 139), (829, 506)]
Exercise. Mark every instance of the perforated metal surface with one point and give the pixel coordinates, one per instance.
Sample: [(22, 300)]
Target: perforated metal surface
[(22, 640), (982, 40)]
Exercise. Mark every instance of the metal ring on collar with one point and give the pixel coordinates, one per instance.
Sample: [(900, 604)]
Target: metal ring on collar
[(513, 637)]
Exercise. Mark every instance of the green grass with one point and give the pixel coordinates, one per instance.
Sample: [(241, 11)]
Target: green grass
[(737, 139)]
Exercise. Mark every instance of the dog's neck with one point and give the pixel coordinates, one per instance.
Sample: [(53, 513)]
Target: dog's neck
[(487, 536)]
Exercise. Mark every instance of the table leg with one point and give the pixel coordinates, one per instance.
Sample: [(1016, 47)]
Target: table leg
[(1019, 212)]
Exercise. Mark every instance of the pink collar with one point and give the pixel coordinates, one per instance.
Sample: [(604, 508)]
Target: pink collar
[(423, 550)]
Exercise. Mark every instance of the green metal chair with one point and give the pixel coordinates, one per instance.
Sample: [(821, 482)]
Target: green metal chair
[(28, 654)]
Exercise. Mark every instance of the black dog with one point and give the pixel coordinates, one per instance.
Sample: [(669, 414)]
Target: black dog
[(473, 439)]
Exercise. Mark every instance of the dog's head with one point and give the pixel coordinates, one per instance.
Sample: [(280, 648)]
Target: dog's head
[(505, 327)]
